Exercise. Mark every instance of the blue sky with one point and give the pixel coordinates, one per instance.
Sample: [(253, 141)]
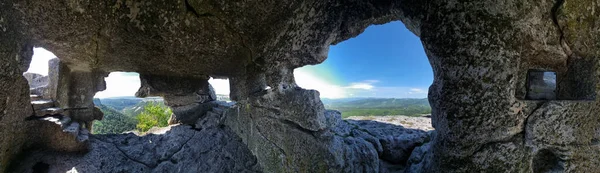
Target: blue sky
[(386, 61)]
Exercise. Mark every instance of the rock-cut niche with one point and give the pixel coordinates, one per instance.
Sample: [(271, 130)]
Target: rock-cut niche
[(576, 82)]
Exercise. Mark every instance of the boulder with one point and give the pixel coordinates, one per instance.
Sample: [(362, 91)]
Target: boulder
[(342, 146)]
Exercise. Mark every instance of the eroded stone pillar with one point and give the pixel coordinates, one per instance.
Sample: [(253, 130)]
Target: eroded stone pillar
[(251, 82), (188, 97), (75, 90), (54, 69), (83, 87)]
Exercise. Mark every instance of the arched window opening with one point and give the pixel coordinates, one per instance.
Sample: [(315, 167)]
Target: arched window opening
[(221, 88), (123, 112), (42, 77), (382, 75), (37, 74)]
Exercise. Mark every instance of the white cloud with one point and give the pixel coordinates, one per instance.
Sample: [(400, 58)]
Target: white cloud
[(365, 85), (392, 92), (367, 88), (307, 80), (371, 81), (417, 91), (39, 61)]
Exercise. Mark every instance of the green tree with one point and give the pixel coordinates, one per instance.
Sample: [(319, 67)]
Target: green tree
[(153, 115), (114, 122)]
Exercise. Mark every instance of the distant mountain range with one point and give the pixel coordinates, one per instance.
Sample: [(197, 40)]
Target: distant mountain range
[(374, 102), (120, 113), (379, 106), (348, 106), (123, 102)]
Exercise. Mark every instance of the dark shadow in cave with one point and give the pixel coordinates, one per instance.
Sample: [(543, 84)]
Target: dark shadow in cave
[(178, 147)]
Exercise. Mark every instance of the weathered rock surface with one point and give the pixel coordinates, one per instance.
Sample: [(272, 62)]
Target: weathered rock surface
[(58, 134), (481, 55), (188, 97), (207, 37), (55, 67), (480, 52), (179, 149), (37, 83), (340, 146), (396, 142), (36, 80), (421, 123), (15, 56)]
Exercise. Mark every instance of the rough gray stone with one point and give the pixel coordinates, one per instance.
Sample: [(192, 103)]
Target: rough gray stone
[(77, 90), (480, 52), (54, 78), (72, 128), (14, 98), (344, 146), (180, 149), (214, 118), (59, 134), (295, 105), (36, 80), (189, 114), (419, 159), (189, 98), (393, 143), (156, 85), (478, 96)]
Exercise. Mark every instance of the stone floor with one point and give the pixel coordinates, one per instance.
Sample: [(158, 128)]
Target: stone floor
[(421, 123), (174, 149), (217, 148)]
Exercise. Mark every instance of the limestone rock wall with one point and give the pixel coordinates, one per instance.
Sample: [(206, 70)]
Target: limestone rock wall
[(14, 102), (480, 51), (76, 89), (15, 56), (481, 54)]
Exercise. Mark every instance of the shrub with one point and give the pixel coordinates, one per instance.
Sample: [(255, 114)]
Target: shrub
[(153, 115), (114, 122)]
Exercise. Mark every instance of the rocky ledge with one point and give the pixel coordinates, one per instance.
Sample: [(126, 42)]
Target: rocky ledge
[(211, 146), (179, 149)]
